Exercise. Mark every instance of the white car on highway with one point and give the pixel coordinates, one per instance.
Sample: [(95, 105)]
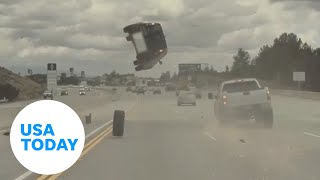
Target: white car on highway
[(47, 94), (243, 99), (4, 100), (186, 97), (82, 91)]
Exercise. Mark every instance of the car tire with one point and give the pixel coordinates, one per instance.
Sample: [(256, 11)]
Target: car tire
[(265, 116), (118, 123)]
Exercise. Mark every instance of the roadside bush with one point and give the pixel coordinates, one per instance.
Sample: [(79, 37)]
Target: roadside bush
[(8, 91)]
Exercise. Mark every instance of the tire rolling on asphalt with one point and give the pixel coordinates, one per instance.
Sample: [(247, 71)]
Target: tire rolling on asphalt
[(118, 123)]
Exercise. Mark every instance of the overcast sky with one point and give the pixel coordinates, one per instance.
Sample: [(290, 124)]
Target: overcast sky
[(87, 34)]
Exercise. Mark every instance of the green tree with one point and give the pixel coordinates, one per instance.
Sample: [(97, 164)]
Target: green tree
[(277, 62), (165, 77), (240, 66), (227, 69)]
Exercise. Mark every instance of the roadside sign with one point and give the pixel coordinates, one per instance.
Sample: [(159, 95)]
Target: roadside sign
[(299, 76), (52, 67), (52, 76), (188, 68)]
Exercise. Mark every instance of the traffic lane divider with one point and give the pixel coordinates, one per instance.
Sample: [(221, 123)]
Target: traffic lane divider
[(91, 144)]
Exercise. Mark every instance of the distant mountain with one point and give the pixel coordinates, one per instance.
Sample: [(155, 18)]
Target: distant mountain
[(27, 88)]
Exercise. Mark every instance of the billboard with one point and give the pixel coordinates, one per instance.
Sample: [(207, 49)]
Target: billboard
[(299, 76), (189, 68), (52, 76), (52, 67)]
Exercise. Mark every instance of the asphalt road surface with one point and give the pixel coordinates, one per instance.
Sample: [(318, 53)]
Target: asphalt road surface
[(166, 141), (100, 103)]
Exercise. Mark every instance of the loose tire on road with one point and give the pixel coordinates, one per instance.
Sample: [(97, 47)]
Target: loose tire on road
[(118, 123), (266, 117)]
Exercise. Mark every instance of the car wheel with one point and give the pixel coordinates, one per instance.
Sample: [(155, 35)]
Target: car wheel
[(118, 123), (266, 117)]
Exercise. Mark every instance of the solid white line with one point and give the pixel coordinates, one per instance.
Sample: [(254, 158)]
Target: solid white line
[(23, 176), (310, 134), (211, 137), (5, 130), (28, 173), (98, 129)]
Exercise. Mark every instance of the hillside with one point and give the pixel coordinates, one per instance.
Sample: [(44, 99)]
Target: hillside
[(28, 88)]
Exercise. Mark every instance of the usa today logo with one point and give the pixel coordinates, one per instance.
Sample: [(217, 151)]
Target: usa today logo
[(47, 137)]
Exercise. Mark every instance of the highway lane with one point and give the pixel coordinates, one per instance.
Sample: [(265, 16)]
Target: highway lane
[(164, 141), (100, 103)]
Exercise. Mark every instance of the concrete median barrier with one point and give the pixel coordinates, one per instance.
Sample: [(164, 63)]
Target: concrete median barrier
[(297, 94)]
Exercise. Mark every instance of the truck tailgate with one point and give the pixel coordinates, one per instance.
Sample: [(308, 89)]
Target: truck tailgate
[(247, 97)]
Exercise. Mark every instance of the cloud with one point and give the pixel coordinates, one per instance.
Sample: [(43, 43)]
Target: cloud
[(88, 35)]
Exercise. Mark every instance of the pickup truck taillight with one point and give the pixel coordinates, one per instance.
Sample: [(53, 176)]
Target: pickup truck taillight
[(224, 100), (268, 95)]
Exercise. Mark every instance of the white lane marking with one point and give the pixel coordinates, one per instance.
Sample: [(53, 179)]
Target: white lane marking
[(310, 134), (28, 173), (5, 130), (98, 129), (24, 176), (210, 136)]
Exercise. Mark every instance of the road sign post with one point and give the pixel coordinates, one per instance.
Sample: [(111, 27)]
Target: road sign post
[(52, 77), (299, 77)]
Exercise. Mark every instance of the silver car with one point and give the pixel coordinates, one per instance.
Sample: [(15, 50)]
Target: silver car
[(186, 97), (82, 91)]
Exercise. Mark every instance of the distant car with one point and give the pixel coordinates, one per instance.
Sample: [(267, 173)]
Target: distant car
[(243, 99), (4, 100), (141, 90), (157, 91), (183, 88), (210, 95), (82, 91), (87, 88), (170, 87), (135, 89), (186, 97), (64, 92), (198, 93), (47, 94), (129, 89)]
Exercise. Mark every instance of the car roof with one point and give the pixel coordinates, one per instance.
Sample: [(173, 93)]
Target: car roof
[(238, 80), (184, 91)]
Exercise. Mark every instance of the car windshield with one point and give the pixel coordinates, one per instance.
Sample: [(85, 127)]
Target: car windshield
[(240, 86), (162, 89), (186, 93)]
